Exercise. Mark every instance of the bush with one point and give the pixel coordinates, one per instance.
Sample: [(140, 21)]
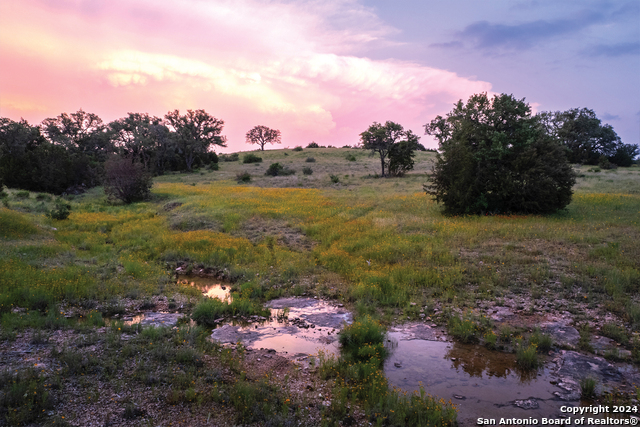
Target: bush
[(334, 178), (243, 177), (276, 169), (234, 157), (126, 180), (61, 211), (504, 162), (364, 340), (251, 158), (313, 145), (22, 195), (213, 166), (297, 148), (310, 160), (527, 357), (350, 157), (307, 170)]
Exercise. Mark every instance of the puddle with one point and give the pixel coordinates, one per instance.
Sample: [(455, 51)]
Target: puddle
[(156, 319), (210, 287), (481, 383), (310, 325)]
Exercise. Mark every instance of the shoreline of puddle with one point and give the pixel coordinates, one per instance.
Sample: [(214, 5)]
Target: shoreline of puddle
[(481, 383)]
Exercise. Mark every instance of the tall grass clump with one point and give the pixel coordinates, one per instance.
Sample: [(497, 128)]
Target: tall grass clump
[(14, 225), (363, 340), (542, 341), (208, 310), (588, 387), (527, 357), (24, 396)]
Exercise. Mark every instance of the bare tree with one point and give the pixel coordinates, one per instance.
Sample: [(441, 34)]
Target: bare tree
[(263, 135)]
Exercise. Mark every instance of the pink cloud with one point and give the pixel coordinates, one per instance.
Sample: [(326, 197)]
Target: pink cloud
[(248, 62)]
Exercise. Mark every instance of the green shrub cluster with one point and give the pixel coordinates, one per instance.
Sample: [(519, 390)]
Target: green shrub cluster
[(251, 158), (276, 169)]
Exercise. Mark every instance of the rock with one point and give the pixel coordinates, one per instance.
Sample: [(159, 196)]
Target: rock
[(397, 365), (526, 404), (459, 397)]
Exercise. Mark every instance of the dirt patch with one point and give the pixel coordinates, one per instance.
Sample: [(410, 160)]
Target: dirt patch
[(256, 229)]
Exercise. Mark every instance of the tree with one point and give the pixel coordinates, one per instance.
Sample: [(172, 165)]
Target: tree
[(135, 136), (584, 135), (126, 180), (263, 135), (401, 155), (79, 132), (494, 156), (195, 133), (384, 140)]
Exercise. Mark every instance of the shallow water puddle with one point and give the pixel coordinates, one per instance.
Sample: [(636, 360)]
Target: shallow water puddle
[(309, 325), (156, 319), (481, 383), (211, 288)]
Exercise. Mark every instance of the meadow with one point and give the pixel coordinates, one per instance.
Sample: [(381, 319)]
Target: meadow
[(379, 246)]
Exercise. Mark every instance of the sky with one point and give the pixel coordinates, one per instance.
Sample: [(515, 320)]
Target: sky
[(318, 70)]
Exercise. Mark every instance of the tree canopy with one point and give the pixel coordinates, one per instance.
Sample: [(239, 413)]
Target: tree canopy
[(496, 157), (262, 135), (195, 133), (394, 145)]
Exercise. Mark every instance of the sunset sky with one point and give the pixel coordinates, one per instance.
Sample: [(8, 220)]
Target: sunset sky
[(320, 70)]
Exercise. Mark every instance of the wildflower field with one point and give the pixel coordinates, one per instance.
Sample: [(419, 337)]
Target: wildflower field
[(379, 246)]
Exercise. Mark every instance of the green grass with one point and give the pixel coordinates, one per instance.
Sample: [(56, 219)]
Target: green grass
[(376, 245)]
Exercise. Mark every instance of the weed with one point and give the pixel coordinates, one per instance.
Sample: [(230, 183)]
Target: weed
[(615, 332), (24, 396), (490, 340), (584, 343), (22, 194), (243, 177), (351, 157), (307, 170), (310, 160), (363, 340), (542, 341), (334, 178)]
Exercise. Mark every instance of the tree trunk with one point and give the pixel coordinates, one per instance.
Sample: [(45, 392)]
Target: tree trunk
[(382, 162)]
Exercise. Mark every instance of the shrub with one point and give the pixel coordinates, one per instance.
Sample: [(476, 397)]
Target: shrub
[(334, 178), (297, 148), (213, 166), (22, 195), (233, 157), (44, 197), (310, 160), (350, 157), (313, 145), (243, 177), (126, 180), (504, 162), (61, 211), (276, 169), (251, 158), (307, 170)]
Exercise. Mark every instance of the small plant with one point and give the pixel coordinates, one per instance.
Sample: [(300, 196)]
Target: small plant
[(350, 157), (251, 158), (213, 166), (334, 178), (584, 343), (61, 211), (22, 195), (243, 177), (588, 387), (490, 340), (364, 340), (615, 332), (462, 328), (297, 148), (542, 341), (313, 144), (44, 197), (307, 170), (310, 160), (527, 357), (276, 169)]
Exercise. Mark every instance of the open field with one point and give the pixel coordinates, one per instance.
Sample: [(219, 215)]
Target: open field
[(379, 246)]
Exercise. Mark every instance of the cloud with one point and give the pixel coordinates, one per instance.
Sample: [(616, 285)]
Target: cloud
[(288, 65), (486, 35), (613, 50), (607, 116)]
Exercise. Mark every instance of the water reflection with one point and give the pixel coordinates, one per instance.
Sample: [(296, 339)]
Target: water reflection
[(211, 288)]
